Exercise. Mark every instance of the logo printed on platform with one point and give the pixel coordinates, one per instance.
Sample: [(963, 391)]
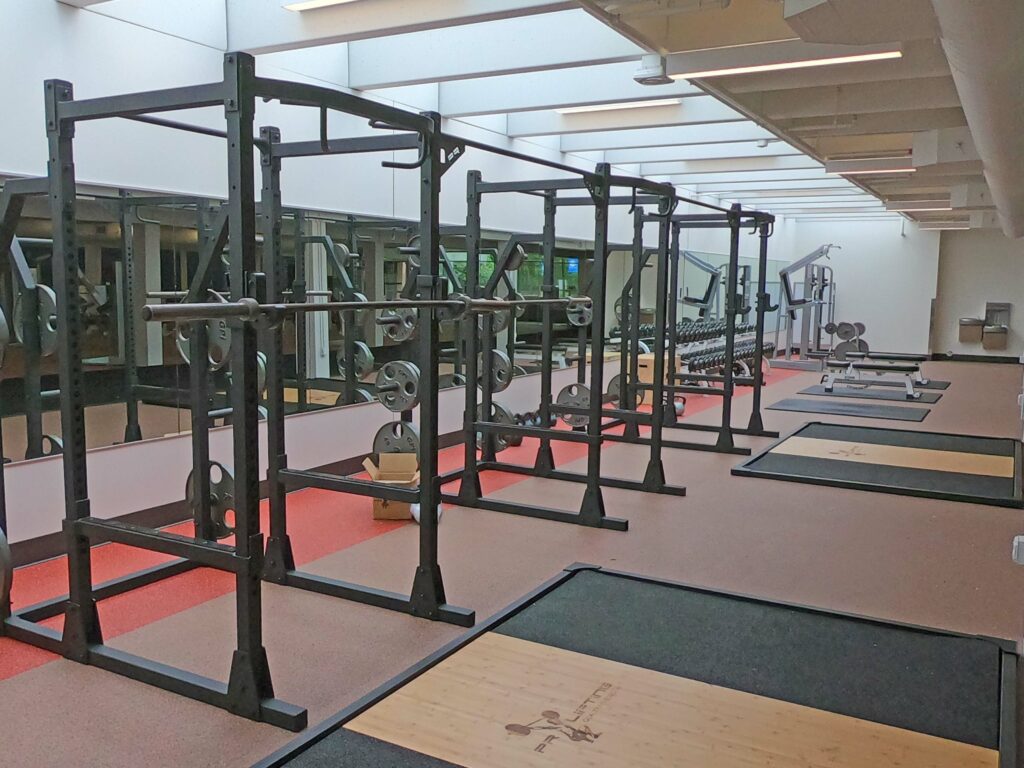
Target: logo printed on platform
[(553, 726), (854, 450)]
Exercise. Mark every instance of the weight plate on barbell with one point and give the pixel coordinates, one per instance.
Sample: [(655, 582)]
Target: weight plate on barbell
[(500, 320), (6, 572), (219, 334), (355, 314), (398, 385), (520, 309), (499, 372), (397, 437), (579, 314), (363, 360), (499, 415), (576, 395), (399, 323), (222, 498), (47, 300)]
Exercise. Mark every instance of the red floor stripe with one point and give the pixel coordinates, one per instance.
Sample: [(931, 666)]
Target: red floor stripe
[(321, 523)]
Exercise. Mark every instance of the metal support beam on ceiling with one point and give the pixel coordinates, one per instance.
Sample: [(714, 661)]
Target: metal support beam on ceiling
[(550, 89), (262, 26), (511, 45)]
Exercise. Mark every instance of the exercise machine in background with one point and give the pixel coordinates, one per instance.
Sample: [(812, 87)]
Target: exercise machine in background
[(814, 309)]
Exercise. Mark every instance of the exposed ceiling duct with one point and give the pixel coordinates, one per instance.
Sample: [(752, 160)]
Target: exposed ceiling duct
[(982, 40)]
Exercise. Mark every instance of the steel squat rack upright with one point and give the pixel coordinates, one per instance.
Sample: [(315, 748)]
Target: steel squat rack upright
[(252, 309)]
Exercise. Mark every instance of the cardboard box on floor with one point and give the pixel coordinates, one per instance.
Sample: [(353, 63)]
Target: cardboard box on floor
[(401, 470)]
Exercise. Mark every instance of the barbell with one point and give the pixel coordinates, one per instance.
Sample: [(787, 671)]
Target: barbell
[(249, 310)]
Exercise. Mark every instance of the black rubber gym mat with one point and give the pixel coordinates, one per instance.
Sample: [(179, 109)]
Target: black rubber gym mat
[(937, 441), (932, 384), (345, 748), (891, 412), (864, 393), (907, 677), (906, 481), (927, 682)]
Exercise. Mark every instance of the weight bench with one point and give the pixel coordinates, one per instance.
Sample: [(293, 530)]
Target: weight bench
[(850, 372), (893, 357)]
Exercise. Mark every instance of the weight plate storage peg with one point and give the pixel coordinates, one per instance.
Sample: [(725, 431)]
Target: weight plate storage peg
[(578, 396), (399, 323), (579, 314), (499, 371), (397, 437), (47, 300), (398, 385), (363, 360), (222, 498), (499, 415)]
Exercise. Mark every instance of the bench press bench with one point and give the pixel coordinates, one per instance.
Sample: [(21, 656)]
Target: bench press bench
[(850, 372)]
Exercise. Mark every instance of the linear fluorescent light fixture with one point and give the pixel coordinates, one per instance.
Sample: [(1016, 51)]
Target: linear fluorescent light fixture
[(921, 205), (784, 65), (309, 5), (944, 225), (869, 165), (618, 105)]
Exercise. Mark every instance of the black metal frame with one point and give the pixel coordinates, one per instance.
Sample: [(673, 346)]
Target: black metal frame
[(592, 509), (1009, 660), (734, 220), (436, 152), (747, 470)]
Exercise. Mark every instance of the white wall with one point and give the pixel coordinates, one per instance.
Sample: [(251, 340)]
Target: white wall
[(975, 267), (104, 55), (885, 275)]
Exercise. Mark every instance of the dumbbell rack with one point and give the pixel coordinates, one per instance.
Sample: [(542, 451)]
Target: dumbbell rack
[(733, 220)]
